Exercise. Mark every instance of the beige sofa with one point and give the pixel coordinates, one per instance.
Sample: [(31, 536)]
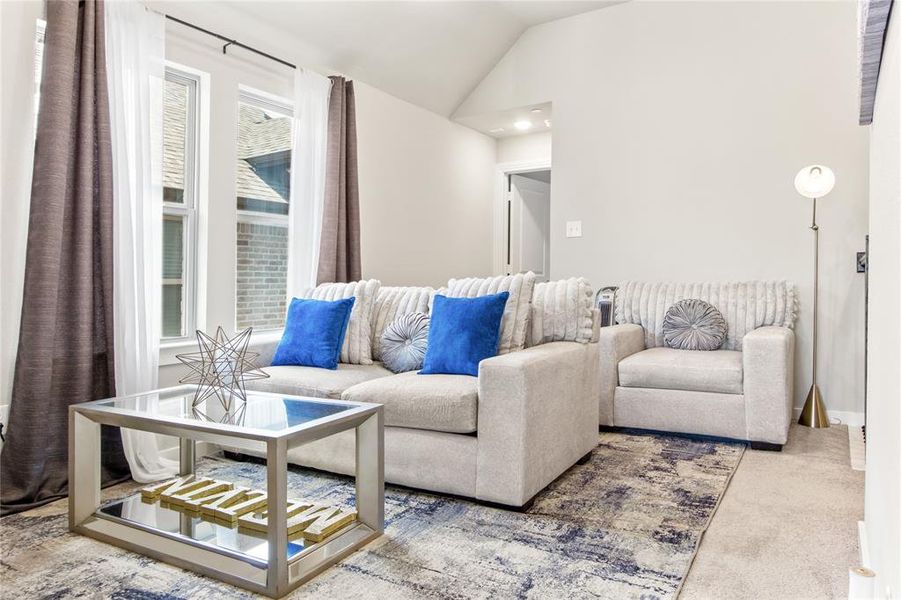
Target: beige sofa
[(742, 391), (500, 437)]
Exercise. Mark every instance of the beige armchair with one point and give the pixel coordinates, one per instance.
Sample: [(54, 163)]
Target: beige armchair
[(742, 391)]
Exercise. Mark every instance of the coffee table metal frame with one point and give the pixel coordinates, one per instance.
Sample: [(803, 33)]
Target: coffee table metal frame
[(274, 577)]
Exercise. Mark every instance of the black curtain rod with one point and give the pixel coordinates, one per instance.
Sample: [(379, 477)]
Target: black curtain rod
[(231, 42)]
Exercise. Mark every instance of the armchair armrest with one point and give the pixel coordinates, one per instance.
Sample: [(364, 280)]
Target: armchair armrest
[(616, 343), (768, 355), (537, 415)]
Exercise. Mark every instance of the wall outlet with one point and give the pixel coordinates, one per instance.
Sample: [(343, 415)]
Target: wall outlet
[(573, 229)]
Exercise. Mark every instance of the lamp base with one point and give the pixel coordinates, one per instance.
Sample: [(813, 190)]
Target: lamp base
[(814, 412)]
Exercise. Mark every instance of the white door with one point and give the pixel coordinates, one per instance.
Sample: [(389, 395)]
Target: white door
[(529, 224)]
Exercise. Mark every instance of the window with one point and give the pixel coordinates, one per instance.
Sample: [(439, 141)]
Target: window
[(263, 189), (179, 203)]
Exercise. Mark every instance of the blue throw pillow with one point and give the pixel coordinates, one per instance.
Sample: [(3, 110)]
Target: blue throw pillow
[(462, 333), (314, 333)]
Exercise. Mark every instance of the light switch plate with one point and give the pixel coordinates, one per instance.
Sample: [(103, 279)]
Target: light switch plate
[(573, 229)]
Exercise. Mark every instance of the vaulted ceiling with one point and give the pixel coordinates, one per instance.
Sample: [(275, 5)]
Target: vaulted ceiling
[(430, 53)]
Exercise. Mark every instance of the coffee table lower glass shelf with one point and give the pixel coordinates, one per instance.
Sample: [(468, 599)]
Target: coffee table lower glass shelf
[(272, 562), (191, 527)]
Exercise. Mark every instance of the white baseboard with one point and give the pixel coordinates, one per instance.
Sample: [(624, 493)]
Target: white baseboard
[(840, 417), (857, 448), (862, 542), (861, 578)]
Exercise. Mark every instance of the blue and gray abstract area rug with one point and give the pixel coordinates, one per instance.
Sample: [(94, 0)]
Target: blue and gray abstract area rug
[(625, 525)]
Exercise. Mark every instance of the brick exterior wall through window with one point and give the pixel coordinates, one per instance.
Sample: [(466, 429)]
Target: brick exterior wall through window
[(262, 276)]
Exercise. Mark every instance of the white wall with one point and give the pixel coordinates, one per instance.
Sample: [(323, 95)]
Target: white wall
[(426, 187), (678, 130), (17, 34), (533, 146), (883, 497)]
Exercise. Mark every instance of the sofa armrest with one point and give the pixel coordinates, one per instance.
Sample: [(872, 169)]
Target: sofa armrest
[(615, 343), (537, 415), (768, 355), (265, 346)]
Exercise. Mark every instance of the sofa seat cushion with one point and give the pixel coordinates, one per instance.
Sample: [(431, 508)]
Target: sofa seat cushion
[(694, 371), (315, 382), (446, 403)]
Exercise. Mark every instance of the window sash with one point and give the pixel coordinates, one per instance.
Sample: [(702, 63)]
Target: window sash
[(187, 209), (266, 102)]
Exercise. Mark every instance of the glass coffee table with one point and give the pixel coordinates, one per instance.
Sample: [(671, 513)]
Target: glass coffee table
[(270, 562)]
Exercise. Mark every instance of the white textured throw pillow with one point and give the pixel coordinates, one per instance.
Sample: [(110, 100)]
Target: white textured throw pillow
[(357, 348), (561, 311), (515, 322), (392, 303)]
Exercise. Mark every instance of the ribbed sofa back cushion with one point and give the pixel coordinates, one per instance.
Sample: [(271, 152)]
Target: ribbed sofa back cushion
[(745, 305), (514, 324), (357, 348), (393, 302), (561, 311)]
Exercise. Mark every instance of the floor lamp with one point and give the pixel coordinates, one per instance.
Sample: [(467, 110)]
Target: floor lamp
[(814, 182)]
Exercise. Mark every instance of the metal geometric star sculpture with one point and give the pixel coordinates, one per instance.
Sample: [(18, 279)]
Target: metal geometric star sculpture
[(221, 367), (229, 417)]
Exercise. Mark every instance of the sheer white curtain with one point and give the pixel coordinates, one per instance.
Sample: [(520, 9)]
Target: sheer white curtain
[(311, 95), (135, 61)]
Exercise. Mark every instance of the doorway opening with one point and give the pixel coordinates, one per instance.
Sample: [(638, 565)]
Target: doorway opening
[(523, 221)]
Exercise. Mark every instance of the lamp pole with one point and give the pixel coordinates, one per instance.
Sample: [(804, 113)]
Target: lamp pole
[(816, 284), (814, 412)]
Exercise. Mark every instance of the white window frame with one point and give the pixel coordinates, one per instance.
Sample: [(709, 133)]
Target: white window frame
[(187, 209), (264, 101)]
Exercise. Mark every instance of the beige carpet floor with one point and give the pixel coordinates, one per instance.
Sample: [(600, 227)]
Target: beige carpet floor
[(624, 525), (786, 528), (787, 525)]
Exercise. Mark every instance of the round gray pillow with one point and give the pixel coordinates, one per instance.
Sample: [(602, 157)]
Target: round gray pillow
[(694, 325), (404, 342)]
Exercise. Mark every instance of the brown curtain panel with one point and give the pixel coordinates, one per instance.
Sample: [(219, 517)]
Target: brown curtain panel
[(65, 352), (339, 248)]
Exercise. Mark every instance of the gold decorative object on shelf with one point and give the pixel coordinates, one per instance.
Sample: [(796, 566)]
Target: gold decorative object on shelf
[(251, 500), (246, 508), (221, 367), (216, 507), (313, 521)]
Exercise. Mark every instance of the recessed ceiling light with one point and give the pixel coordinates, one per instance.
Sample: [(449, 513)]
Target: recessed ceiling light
[(496, 130), (535, 110), (547, 122), (523, 125)]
